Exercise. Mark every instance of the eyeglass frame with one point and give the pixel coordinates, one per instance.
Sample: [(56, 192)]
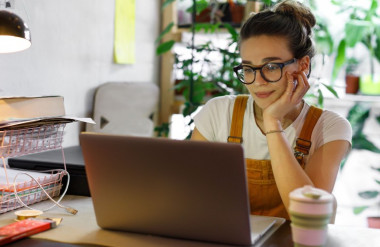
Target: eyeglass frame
[(281, 65)]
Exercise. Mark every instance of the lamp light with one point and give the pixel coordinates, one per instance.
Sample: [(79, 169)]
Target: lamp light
[(14, 33)]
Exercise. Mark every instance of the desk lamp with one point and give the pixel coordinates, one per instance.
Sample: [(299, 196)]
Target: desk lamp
[(14, 33)]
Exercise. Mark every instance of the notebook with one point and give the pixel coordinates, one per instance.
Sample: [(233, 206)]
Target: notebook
[(174, 188)]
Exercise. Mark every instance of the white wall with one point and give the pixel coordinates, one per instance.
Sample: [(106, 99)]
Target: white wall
[(72, 53)]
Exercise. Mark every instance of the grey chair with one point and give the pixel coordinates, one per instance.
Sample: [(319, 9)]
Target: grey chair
[(125, 108)]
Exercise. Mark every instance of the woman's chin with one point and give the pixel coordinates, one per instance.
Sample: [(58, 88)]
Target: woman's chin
[(263, 103)]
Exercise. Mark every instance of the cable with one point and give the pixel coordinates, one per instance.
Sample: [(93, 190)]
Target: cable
[(56, 203)]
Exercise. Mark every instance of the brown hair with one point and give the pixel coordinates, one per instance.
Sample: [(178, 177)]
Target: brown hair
[(289, 19)]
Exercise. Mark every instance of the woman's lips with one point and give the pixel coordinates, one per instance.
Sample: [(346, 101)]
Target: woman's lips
[(263, 94)]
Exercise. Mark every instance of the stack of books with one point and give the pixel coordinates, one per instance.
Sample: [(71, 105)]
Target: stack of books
[(31, 111)]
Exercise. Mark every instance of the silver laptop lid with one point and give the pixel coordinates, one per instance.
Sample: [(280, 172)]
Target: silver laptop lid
[(183, 189)]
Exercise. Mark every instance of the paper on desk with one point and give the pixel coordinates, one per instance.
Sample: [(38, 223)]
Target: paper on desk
[(8, 94), (4, 95), (33, 122)]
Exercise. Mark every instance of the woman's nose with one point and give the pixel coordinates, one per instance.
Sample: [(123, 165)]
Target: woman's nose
[(260, 79)]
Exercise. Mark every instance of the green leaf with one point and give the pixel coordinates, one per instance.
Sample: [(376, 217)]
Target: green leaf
[(162, 130), (189, 108), (164, 47), (376, 169), (181, 84), (165, 31), (377, 181), (343, 163), (332, 90), (167, 3), (361, 142), (200, 6), (376, 50), (372, 10), (198, 95), (355, 31), (340, 58), (358, 210), (206, 27), (357, 116), (320, 97), (369, 194)]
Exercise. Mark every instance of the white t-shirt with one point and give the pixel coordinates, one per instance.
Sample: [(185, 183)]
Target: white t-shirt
[(214, 121)]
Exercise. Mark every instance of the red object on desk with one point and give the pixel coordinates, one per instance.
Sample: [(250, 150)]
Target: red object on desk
[(23, 228)]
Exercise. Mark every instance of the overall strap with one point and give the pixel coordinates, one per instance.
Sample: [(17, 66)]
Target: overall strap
[(237, 119), (303, 142)]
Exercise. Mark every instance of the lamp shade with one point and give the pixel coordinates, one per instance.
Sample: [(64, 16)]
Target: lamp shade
[(14, 33)]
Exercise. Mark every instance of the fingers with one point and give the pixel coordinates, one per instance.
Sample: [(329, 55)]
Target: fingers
[(298, 90), (292, 84)]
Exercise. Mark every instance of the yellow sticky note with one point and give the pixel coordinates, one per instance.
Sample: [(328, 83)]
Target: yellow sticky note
[(124, 43)]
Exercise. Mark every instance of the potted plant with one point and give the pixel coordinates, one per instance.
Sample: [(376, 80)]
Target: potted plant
[(352, 78), (358, 116), (361, 28)]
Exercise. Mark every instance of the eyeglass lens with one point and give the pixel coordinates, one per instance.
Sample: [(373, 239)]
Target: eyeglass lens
[(270, 72)]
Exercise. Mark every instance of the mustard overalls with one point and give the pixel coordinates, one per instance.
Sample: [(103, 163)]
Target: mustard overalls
[(263, 193)]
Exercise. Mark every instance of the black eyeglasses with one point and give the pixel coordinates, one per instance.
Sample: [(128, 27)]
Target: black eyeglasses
[(271, 72)]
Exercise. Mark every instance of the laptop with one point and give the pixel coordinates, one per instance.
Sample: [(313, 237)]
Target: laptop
[(173, 188)]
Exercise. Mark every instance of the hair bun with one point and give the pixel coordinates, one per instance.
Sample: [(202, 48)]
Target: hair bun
[(297, 10)]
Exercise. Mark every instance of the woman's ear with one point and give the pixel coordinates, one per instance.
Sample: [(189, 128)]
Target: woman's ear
[(304, 65)]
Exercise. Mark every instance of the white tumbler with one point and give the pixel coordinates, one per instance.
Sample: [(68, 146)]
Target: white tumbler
[(310, 211)]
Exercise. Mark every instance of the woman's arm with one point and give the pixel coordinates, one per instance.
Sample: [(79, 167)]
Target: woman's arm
[(197, 136), (320, 171), (322, 166)]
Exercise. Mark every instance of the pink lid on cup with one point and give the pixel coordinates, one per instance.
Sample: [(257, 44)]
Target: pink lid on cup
[(310, 194), (310, 200)]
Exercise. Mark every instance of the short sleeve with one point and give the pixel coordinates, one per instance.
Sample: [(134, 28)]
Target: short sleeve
[(213, 119), (333, 127)]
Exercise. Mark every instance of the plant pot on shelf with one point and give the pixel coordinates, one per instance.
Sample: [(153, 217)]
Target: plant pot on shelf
[(237, 13), (204, 16), (374, 222), (369, 85), (352, 84)]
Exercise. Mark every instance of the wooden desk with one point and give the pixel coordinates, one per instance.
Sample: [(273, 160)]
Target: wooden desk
[(81, 230)]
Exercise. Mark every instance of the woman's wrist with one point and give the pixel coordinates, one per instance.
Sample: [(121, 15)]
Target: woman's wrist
[(274, 132), (272, 124)]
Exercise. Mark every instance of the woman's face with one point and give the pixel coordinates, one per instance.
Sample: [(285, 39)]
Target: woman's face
[(259, 50)]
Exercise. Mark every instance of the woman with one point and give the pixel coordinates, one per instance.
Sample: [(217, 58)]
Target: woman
[(285, 147)]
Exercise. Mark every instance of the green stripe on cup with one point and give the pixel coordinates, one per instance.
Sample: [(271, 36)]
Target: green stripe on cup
[(309, 215), (310, 222)]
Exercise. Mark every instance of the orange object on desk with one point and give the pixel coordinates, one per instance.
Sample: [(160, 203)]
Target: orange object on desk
[(24, 228)]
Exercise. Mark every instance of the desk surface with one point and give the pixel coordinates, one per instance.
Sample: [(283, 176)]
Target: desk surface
[(81, 230)]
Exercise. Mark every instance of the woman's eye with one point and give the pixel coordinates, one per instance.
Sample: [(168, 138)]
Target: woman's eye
[(247, 70), (271, 67)]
